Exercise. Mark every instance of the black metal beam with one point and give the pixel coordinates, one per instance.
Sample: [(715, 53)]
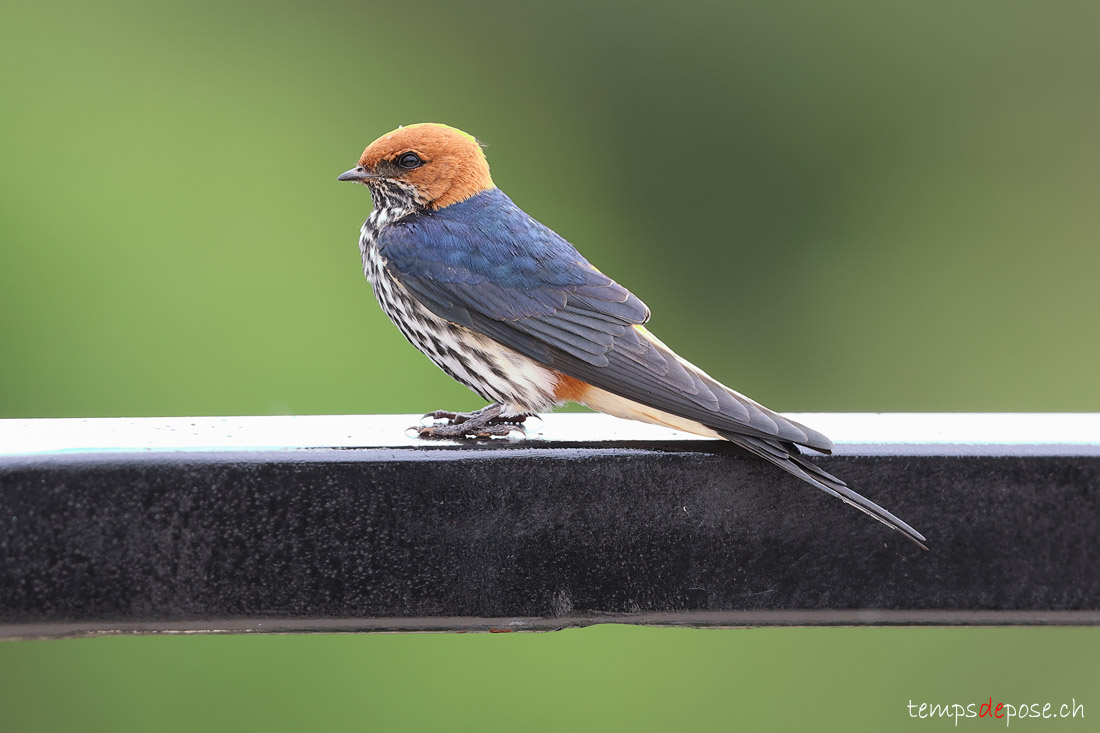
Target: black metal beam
[(143, 526)]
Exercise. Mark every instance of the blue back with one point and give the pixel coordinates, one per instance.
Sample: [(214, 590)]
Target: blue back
[(484, 239)]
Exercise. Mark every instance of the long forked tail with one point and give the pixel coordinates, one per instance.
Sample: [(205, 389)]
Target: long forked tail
[(786, 456)]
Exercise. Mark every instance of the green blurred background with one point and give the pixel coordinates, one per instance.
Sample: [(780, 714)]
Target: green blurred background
[(843, 206)]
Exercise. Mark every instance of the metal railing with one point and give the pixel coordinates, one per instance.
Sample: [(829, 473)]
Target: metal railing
[(343, 523)]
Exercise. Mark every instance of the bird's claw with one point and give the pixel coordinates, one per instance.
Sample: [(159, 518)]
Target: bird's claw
[(457, 418), (484, 423)]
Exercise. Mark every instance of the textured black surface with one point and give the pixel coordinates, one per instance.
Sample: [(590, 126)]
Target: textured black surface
[(682, 530)]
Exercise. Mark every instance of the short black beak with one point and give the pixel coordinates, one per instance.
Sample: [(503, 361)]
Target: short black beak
[(356, 174)]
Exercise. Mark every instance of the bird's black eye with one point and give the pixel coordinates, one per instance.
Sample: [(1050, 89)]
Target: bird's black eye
[(408, 161)]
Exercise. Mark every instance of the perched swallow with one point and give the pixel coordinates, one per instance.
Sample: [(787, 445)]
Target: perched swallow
[(511, 310)]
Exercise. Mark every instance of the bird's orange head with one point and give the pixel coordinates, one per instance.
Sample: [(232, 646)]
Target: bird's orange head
[(428, 165)]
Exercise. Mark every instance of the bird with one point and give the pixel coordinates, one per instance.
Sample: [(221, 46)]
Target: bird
[(513, 311)]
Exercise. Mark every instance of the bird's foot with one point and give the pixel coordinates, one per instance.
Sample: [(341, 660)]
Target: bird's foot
[(484, 423), (492, 411)]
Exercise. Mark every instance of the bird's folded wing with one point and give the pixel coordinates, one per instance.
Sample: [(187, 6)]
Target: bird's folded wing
[(544, 300)]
